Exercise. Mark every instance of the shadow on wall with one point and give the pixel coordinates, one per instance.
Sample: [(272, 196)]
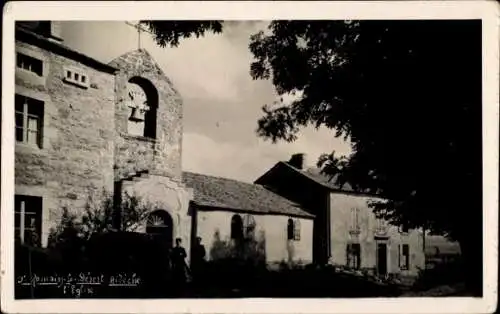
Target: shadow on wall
[(249, 250), (291, 251)]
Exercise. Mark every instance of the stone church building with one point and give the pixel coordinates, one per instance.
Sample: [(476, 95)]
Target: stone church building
[(83, 126)]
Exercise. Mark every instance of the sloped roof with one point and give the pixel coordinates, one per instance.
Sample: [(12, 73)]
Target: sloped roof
[(27, 35), (327, 181), (222, 193), (131, 59)]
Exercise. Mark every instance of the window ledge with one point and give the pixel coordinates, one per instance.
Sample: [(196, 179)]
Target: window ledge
[(26, 148), (138, 137), (30, 77)]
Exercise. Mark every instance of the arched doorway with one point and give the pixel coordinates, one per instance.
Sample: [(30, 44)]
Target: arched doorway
[(160, 227)]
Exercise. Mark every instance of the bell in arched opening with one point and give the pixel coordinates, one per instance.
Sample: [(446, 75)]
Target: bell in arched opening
[(137, 103)]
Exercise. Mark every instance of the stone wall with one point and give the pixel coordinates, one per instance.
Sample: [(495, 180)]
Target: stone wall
[(340, 207), (312, 197), (161, 155), (76, 157), (162, 193), (214, 227)]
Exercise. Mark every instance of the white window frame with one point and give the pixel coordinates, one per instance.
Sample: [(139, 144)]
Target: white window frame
[(27, 75), (25, 126), (404, 261), (249, 226), (22, 218), (296, 230), (355, 224), (382, 226)]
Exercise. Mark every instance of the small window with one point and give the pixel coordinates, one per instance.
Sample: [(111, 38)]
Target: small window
[(404, 228), (28, 219), (355, 219), (353, 252), (30, 64), (290, 229), (404, 257), (29, 117), (293, 230), (236, 227), (296, 232), (76, 76), (381, 225), (249, 226)]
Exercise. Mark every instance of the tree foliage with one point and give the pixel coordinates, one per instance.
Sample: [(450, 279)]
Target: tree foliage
[(99, 217), (407, 94), (169, 33)]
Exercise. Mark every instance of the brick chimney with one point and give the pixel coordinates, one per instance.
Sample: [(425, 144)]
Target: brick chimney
[(297, 161), (56, 30), (49, 29)]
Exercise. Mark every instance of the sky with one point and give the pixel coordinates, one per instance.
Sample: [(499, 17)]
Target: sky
[(221, 102)]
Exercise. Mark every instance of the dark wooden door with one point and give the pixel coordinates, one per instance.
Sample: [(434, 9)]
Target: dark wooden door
[(382, 258)]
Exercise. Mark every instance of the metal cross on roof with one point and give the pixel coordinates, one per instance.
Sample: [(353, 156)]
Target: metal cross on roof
[(140, 29)]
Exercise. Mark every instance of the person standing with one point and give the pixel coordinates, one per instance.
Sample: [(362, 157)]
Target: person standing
[(198, 259), (179, 267)]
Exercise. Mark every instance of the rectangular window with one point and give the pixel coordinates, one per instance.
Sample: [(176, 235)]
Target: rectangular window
[(30, 64), (355, 219), (404, 229), (29, 117), (354, 255), (381, 226), (28, 219), (296, 231), (404, 257), (76, 76)]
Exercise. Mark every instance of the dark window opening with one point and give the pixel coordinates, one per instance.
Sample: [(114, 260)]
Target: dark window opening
[(290, 229), (28, 219), (143, 98), (30, 64), (293, 230), (405, 257), (236, 227), (354, 255)]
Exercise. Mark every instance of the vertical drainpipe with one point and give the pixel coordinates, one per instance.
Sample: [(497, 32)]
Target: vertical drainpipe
[(423, 247), (328, 226)]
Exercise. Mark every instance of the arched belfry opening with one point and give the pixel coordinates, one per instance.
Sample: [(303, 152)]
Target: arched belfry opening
[(142, 100)]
